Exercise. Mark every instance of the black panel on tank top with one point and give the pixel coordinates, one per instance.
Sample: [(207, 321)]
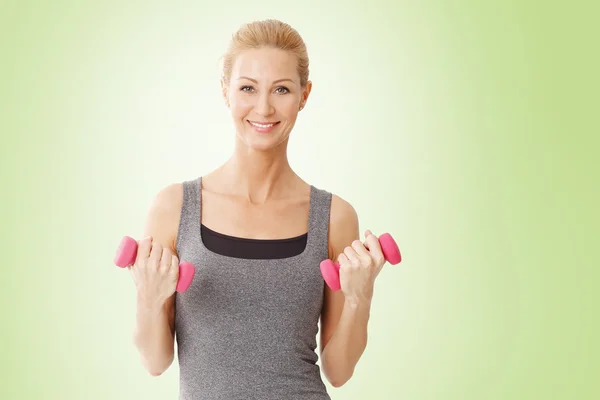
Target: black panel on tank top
[(233, 246)]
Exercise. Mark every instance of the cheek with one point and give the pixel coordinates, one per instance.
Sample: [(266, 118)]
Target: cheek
[(290, 112), (240, 108), (288, 107)]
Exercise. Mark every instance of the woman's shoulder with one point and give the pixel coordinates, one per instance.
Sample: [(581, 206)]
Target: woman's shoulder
[(162, 221), (343, 224), (169, 197), (341, 210)]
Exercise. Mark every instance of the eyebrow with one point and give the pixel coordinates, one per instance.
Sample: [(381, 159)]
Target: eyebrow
[(255, 81)]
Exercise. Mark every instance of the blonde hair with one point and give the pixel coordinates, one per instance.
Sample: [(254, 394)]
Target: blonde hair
[(266, 33)]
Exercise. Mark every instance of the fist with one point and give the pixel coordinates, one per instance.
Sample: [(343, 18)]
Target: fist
[(155, 272), (360, 265)]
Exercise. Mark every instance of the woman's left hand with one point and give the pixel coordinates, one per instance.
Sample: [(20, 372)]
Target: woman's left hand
[(359, 266)]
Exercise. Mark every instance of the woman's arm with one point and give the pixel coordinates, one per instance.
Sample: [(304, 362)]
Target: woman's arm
[(343, 321), (155, 321)]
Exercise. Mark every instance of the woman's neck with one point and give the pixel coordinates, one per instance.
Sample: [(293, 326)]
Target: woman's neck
[(259, 175)]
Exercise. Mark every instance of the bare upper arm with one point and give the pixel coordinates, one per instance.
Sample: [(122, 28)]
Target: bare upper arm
[(343, 230), (162, 223)]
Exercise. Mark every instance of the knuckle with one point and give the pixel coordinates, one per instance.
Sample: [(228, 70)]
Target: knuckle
[(166, 256), (348, 251), (157, 248)]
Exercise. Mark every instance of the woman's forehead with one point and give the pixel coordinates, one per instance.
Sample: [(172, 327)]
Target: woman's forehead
[(265, 64)]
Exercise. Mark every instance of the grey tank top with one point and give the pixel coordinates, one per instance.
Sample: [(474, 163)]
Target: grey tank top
[(247, 328)]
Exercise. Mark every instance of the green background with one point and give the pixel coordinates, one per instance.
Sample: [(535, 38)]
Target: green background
[(466, 129)]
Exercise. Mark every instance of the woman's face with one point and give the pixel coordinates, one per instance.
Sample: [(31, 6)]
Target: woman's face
[(264, 96)]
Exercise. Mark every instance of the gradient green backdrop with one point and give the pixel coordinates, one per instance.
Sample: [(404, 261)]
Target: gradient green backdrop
[(467, 129)]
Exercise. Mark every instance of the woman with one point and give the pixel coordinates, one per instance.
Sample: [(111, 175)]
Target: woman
[(247, 326)]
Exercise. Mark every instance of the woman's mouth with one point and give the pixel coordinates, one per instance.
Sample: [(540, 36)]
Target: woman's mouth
[(263, 127)]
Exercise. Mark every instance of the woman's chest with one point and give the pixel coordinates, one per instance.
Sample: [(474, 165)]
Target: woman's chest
[(273, 220)]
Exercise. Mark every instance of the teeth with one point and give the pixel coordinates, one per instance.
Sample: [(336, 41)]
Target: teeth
[(262, 125)]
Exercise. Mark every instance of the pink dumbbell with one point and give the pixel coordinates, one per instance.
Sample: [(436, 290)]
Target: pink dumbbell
[(127, 252), (331, 270)]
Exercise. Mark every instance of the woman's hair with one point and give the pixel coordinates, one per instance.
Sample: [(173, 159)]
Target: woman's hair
[(266, 33)]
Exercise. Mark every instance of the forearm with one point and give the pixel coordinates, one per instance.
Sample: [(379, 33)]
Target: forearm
[(346, 346), (153, 337)]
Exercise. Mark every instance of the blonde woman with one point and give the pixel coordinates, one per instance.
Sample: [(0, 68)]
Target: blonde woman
[(256, 232)]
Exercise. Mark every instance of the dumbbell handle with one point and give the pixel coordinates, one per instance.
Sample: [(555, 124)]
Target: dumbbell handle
[(127, 253)]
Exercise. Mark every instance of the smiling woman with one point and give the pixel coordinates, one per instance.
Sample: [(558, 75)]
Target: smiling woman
[(257, 233), (265, 82)]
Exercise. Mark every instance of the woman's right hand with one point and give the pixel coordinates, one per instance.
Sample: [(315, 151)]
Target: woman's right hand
[(155, 273)]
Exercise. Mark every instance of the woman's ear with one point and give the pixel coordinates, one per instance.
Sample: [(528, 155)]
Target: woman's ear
[(305, 94)]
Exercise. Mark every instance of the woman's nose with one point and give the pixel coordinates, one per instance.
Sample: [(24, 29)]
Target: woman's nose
[(263, 106)]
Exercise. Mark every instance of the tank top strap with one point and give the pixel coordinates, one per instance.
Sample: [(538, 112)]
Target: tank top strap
[(318, 222), (189, 223)]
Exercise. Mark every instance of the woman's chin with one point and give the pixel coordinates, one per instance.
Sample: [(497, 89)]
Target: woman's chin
[(261, 142)]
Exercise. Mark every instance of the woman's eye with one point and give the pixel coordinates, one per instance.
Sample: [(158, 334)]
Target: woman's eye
[(279, 90)]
